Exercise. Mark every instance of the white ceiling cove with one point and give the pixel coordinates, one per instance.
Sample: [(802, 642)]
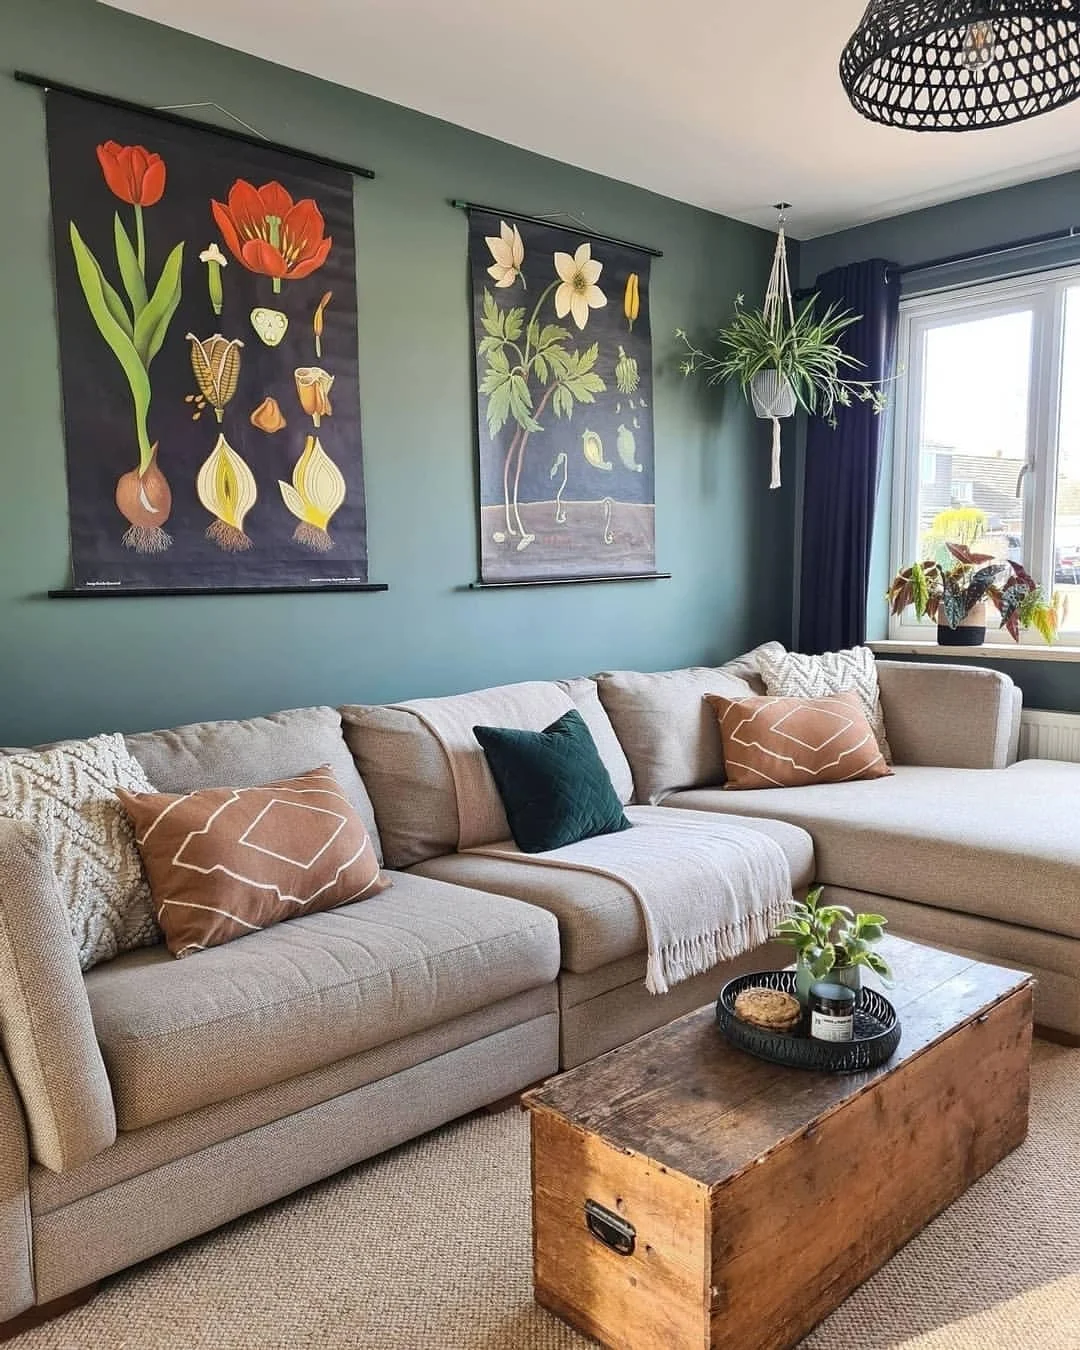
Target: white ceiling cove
[(725, 104)]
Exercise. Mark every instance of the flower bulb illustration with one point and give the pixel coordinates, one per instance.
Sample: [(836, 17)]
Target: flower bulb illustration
[(226, 487), (316, 493)]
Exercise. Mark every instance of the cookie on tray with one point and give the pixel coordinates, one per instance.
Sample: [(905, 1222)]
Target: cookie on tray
[(770, 1009)]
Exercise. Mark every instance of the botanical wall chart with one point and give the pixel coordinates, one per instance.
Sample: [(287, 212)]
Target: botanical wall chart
[(206, 293), (564, 389)]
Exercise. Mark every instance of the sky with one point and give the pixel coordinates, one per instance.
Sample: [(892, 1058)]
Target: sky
[(977, 381)]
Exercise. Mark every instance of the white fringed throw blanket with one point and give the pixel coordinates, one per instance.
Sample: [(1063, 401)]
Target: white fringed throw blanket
[(708, 889)]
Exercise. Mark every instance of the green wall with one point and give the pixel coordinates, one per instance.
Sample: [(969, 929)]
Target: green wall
[(71, 667)]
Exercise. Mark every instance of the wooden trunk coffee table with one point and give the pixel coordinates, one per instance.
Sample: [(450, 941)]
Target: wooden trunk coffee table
[(687, 1195)]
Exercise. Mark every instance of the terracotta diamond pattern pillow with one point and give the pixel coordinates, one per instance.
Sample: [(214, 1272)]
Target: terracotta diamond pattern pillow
[(796, 675), (225, 862), (795, 742)]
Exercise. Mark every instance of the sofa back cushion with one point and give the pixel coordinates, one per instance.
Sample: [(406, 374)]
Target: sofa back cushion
[(669, 733), (408, 774), (586, 698), (252, 752)]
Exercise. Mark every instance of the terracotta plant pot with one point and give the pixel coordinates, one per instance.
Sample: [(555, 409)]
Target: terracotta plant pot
[(971, 631)]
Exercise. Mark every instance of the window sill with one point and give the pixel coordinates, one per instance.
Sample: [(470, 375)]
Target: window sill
[(988, 651)]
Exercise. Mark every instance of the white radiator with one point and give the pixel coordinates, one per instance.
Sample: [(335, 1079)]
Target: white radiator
[(1049, 735)]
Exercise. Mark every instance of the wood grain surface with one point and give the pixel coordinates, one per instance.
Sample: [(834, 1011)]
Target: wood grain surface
[(762, 1196)]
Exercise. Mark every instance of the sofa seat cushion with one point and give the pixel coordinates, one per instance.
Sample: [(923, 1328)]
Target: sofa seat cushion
[(599, 917), (1000, 843), (179, 1035)]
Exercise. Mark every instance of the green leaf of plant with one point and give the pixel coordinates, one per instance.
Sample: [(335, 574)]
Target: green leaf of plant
[(153, 323), (498, 408), (550, 335), (521, 404), (121, 345), (542, 368), (513, 324), (871, 932), (112, 300), (878, 964), (487, 345), (500, 362), (587, 358), (826, 961), (559, 359), (132, 278), (492, 317)]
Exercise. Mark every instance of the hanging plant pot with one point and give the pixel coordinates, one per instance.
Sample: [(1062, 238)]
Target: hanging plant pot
[(772, 396), (970, 632)]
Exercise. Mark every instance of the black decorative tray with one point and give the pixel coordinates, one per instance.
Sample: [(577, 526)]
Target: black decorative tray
[(877, 1030)]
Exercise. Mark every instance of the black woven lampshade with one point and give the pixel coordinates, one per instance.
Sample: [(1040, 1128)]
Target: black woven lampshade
[(959, 65)]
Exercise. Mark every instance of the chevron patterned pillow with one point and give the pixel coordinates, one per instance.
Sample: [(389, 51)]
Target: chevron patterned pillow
[(795, 675), (796, 742), (68, 792), (225, 862)]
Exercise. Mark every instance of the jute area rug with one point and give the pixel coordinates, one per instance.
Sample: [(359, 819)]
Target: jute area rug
[(429, 1247)]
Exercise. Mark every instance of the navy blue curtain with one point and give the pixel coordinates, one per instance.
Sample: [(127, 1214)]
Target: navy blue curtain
[(842, 467)]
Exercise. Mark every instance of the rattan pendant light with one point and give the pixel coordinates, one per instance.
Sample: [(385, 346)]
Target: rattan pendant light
[(959, 65)]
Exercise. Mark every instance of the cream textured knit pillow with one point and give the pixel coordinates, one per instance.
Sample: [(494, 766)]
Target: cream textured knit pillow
[(69, 793), (795, 675)]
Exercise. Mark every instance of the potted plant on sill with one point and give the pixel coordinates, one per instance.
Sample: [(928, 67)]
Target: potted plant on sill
[(832, 942), (956, 597), (783, 359)]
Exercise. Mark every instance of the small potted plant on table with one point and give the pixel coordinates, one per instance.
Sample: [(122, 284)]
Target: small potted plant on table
[(956, 597), (832, 942)]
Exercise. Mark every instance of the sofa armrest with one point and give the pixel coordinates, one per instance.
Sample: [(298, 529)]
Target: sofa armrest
[(957, 717), (16, 1260), (46, 1031)]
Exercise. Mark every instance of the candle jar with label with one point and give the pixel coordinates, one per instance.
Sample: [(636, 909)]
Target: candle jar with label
[(832, 1012)]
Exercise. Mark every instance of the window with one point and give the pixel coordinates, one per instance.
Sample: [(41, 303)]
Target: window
[(988, 430)]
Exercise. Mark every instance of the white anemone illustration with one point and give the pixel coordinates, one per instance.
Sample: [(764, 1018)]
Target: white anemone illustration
[(509, 254), (579, 292)]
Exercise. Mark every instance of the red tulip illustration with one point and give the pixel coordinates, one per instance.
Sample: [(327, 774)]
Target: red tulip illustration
[(270, 233), (135, 175)]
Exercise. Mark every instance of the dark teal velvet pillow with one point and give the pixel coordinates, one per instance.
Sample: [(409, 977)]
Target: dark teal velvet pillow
[(553, 784)]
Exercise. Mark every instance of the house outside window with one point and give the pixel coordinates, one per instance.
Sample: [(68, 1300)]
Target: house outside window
[(988, 431)]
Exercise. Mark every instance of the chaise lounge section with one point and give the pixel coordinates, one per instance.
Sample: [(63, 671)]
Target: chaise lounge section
[(963, 847)]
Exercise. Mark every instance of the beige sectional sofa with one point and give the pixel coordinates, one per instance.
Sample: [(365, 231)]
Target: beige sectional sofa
[(153, 1099)]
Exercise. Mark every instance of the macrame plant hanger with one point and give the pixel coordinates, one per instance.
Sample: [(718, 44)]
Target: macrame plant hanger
[(770, 390)]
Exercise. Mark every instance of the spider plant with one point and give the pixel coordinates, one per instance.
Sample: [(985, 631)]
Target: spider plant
[(802, 349)]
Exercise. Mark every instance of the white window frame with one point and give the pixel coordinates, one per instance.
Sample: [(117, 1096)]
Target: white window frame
[(1043, 294)]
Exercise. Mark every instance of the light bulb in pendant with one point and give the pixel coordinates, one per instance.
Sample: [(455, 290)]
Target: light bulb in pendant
[(978, 49)]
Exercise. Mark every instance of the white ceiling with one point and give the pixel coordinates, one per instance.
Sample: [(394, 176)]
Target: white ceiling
[(729, 104)]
